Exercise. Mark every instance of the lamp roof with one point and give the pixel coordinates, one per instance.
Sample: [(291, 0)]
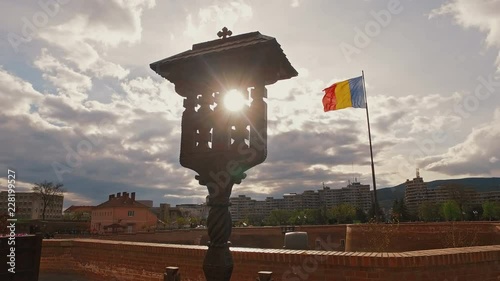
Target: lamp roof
[(246, 50)]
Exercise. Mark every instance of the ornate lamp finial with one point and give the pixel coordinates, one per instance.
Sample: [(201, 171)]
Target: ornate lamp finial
[(224, 33)]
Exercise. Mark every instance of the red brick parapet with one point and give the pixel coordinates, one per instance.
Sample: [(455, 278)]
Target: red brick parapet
[(400, 237), (105, 260), (420, 236)]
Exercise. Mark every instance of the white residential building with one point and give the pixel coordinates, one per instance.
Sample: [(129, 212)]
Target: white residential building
[(29, 205)]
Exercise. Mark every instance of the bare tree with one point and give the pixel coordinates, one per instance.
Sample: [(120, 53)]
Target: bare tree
[(48, 192)]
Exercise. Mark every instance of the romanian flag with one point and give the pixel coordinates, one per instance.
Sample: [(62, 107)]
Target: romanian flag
[(349, 93)]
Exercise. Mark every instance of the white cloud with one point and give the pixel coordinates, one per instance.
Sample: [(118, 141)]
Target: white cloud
[(477, 155), (133, 145), (104, 68), (484, 15), (108, 23), (95, 28), (73, 198), (21, 186), (16, 96), (64, 78), (215, 17), (151, 96)]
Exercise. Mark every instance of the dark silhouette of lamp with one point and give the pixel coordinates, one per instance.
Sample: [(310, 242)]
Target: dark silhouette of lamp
[(217, 143)]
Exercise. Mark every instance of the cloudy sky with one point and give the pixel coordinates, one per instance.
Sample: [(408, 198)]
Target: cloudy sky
[(80, 104)]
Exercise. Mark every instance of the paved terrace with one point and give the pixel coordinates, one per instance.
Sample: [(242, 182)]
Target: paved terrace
[(133, 261)]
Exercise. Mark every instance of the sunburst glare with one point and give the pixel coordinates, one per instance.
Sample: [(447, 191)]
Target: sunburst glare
[(234, 100)]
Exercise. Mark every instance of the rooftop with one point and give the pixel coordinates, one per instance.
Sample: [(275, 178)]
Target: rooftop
[(75, 208), (121, 200), (244, 51)]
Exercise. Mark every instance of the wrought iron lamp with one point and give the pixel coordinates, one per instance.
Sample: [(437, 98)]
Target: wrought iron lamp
[(217, 143)]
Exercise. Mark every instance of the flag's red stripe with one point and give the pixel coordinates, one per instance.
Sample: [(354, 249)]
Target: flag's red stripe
[(330, 99)]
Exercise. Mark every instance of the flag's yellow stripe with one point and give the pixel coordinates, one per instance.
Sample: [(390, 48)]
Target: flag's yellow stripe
[(343, 94)]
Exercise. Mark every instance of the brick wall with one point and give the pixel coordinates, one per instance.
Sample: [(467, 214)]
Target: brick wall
[(132, 261), (364, 237), (420, 236), (325, 237), (256, 237)]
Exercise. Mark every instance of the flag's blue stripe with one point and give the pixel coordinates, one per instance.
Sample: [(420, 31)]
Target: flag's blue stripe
[(357, 92)]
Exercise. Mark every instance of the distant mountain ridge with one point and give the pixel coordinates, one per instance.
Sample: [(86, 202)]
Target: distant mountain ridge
[(387, 195)]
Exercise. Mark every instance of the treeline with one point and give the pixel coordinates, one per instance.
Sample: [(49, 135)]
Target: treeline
[(450, 210), (340, 214)]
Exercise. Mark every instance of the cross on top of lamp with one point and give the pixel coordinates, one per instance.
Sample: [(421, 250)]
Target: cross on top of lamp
[(224, 124)]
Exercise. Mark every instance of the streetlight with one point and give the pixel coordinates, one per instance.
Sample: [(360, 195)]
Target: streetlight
[(224, 124)]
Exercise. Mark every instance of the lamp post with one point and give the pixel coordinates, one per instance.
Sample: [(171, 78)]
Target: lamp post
[(218, 143)]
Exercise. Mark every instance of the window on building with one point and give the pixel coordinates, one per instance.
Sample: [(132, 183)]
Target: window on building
[(130, 213)]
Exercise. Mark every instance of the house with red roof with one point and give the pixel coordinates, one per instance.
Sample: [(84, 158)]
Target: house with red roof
[(122, 214)]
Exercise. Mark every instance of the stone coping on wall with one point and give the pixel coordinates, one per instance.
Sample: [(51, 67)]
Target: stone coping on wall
[(424, 258)]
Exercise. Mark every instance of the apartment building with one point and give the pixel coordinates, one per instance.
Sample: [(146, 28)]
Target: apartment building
[(493, 196), (241, 207), (194, 210), (292, 201), (168, 214), (29, 205), (416, 192), (330, 197), (310, 200), (354, 193)]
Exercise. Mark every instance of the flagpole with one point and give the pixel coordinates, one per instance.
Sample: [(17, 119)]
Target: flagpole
[(375, 203)]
